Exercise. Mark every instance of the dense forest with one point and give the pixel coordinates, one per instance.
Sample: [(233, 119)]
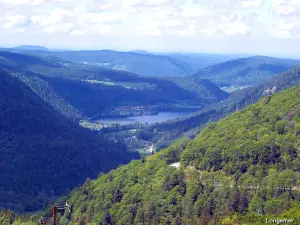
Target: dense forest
[(246, 71), (43, 154), (77, 90), (138, 62), (238, 170), (204, 88), (10, 217), (164, 133), (263, 139)]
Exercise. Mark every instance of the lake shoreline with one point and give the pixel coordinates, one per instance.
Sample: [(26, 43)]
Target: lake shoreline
[(145, 119)]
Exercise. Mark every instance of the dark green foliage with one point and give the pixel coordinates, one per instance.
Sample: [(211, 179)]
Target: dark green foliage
[(42, 153), (205, 89), (214, 89), (77, 90), (236, 101), (94, 99), (42, 88), (239, 166)]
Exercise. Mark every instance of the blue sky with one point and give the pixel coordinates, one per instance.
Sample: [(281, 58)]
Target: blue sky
[(236, 26)]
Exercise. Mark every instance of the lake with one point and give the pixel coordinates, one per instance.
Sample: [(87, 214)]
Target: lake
[(161, 117)]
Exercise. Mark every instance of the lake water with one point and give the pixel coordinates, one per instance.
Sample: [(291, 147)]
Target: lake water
[(161, 117)]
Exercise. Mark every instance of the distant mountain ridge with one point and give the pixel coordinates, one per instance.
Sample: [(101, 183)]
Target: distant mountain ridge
[(198, 61), (91, 91), (32, 47), (141, 52), (246, 71), (138, 61)]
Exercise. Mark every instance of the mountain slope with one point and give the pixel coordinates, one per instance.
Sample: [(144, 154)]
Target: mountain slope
[(142, 64), (90, 91), (42, 153), (201, 61), (213, 89), (31, 48), (245, 163), (205, 89), (245, 72), (237, 100), (251, 95), (10, 217)]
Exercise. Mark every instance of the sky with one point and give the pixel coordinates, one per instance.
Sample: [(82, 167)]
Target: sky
[(199, 26)]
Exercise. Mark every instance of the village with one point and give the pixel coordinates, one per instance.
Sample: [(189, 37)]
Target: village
[(125, 111)]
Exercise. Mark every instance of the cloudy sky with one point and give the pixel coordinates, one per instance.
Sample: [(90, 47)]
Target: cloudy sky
[(237, 26)]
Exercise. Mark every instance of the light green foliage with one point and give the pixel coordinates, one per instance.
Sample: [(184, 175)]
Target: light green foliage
[(259, 135), (9, 217), (236, 101), (236, 171)]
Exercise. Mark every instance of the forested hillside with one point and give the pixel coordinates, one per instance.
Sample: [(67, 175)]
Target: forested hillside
[(245, 166), (10, 217), (236, 101), (43, 154), (201, 61), (142, 64), (245, 72), (205, 89), (139, 62), (78, 90)]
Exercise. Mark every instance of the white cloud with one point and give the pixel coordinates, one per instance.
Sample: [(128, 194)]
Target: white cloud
[(284, 29), (208, 32), (59, 28), (156, 2), (105, 6), (183, 18), (193, 12), (155, 32), (251, 3), (227, 18), (282, 25), (282, 34), (77, 32), (94, 18), (56, 16), (171, 23), (159, 3), (101, 29), (21, 2), (235, 28), (35, 19), (286, 7), (15, 21), (231, 4)]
